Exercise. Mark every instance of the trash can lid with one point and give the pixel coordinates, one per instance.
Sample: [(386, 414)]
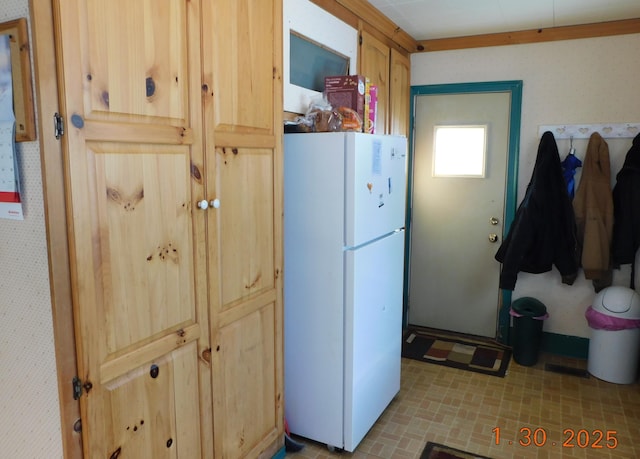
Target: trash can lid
[(618, 301), (529, 307)]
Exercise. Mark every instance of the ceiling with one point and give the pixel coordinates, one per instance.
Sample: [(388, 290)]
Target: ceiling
[(433, 19)]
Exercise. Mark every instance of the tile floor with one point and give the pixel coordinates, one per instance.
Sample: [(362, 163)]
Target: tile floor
[(463, 410)]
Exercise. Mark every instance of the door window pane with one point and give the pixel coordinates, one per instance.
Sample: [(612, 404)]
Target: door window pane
[(459, 151)]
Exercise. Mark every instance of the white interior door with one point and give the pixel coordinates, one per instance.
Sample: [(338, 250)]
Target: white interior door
[(458, 200)]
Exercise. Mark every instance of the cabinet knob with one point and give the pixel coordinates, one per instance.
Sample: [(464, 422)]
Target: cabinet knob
[(204, 204)]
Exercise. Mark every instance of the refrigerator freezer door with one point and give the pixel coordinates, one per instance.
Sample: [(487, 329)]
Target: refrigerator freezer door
[(373, 333), (375, 186)]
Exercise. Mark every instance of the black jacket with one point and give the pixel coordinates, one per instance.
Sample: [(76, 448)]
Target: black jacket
[(626, 208), (543, 232)]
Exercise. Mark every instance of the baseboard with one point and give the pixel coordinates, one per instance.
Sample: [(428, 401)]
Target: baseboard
[(280, 454), (564, 345)]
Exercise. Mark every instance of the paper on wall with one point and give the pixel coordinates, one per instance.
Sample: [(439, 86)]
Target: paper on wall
[(10, 202)]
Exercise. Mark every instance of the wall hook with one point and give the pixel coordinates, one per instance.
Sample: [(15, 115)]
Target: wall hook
[(572, 151)]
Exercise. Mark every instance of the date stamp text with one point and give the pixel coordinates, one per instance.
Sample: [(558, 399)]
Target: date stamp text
[(571, 438)]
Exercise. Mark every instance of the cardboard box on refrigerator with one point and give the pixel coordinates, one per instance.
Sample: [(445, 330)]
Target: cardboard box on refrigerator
[(347, 91), (371, 108)]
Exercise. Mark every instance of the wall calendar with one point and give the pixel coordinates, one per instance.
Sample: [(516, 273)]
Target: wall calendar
[(10, 202)]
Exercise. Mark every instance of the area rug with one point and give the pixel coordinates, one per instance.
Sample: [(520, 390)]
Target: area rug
[(438, 451), (486, 358)]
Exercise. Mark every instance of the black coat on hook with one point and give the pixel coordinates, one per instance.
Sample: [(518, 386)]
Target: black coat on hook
[(626, 208), (543, 232)]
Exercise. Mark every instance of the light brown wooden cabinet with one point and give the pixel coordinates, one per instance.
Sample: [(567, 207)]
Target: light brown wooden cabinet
[(374, 64), (390, 71), (173, 170), (383, 57), (399, 93), (242, 49)]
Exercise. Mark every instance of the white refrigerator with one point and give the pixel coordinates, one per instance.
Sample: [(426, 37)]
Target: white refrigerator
[(344, 216)]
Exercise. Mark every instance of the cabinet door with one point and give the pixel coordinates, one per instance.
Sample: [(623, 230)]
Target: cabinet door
[(399, 94), (239, 68), (374, 64), (243, 113), (133, 160), (246, 303)]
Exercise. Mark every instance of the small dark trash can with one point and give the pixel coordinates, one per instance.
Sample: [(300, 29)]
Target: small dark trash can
[(528, 316)]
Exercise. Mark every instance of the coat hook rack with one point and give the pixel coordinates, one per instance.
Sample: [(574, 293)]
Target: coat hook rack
[(584, 131)]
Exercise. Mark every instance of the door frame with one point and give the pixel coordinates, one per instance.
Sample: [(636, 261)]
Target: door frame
[(53, 176), (514, 88)]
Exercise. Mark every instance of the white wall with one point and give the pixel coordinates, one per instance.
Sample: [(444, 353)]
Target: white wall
[(585, 81), (30, 419)]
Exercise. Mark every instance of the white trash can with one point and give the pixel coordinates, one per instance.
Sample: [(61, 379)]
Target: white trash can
[(614, 347)]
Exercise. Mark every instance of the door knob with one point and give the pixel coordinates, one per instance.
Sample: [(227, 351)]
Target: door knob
[(204, 204), (493, 237), (493, 221)]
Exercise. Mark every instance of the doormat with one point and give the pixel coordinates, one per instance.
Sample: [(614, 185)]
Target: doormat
[(438, 451), (486, 358)]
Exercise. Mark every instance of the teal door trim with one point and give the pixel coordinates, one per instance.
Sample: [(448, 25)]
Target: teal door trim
[(514, 87)]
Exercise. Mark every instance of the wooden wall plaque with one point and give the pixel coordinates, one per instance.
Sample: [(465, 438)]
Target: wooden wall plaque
[(21, 75)]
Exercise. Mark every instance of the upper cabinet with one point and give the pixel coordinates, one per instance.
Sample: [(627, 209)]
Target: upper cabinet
[(240, 68), (389, 69), (399, 93), (383, 57), (374, 64)]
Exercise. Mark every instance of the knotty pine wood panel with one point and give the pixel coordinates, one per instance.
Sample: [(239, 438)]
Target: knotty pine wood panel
[(143, 214), (245, 222), (136, 239), (147, 404), (239, 68), (399, 94), (247, 384), (150, 48), (374, 64)]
